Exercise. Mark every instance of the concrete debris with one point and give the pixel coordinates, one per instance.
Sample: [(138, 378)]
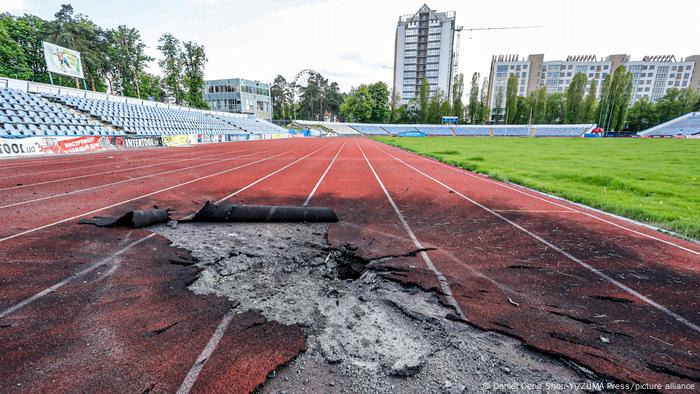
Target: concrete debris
[(364, 332)]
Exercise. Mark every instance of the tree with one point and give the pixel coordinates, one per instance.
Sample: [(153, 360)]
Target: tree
[(78, 32), (523, 111), (171, 66), (423, 96), (538, 103), (574, 99), (615, 97), (474, 111), (380, 97), (589, 105), (358, 105), (676, 102), (555, 108), (281, 96), (193, 60), (13, 62), (642, 115), (499, 109), (457, 93), (511, 98), (151, 88), (484, 104), (333, 100), (433, 113), (395, 108)]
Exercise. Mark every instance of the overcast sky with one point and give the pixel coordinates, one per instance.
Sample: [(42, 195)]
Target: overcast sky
[(352, 41)]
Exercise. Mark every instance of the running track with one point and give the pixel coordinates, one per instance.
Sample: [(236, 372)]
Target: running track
[(86, 309)]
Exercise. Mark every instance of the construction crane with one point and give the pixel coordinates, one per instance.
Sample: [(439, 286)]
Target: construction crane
[(460, 29)]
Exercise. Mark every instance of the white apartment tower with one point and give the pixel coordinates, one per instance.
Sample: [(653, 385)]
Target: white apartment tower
[(652, 76), (426, 47)]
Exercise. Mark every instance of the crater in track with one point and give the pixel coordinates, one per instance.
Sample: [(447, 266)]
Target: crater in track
[(364, 333)]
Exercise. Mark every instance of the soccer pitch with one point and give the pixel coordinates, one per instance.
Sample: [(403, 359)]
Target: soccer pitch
[(651, 180)]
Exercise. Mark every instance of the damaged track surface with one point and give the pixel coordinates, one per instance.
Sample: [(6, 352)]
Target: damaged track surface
[(132, 307)]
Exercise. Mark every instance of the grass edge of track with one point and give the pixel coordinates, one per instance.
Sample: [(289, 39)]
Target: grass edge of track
[(689, 234)]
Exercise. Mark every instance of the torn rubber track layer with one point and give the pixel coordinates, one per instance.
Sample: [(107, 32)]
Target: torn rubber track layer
[(226, 212), (137, 218)]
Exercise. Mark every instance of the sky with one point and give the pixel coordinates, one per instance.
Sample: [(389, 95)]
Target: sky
[(352, 41)]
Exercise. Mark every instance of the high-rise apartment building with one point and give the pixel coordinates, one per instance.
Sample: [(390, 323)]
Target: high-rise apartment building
[(426, 47), (652, 76)]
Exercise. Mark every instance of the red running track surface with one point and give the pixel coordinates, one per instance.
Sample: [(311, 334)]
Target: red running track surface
[(87, 310)]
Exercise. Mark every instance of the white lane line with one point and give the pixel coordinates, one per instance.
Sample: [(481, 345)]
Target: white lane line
[(536, 210), (444, 285), (311, 195), (485, 179), (126, 180), (602, 275), (270, 174), (62, 283), (186, 157), (51, 162), (9, 237), (201, 361)]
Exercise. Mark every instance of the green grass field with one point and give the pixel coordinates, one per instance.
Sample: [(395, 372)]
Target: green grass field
[(650, 180)]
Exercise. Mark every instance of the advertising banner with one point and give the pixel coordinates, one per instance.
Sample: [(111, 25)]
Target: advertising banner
[(210, 138), (175, 140), (136, 142), (54, 145), (62, 60)]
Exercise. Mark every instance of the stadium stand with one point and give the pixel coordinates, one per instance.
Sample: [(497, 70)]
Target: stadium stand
[(687, 125), (144, 120), (562, 130), (342, 129), (251, 125), (29, 109), (368, 129), (435, 130), (396, 129), (511, 131), (26, 115), (472, 130)]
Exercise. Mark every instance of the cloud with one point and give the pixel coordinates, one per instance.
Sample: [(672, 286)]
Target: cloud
[(14, 5)]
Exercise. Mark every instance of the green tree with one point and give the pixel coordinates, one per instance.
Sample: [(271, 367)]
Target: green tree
[(13, 62), (281, 96), (151, 88), (423, 97), (499, 107), (538, 103), (523, 111), (193, 60), (484, 103), (589, 105), (457, 94), (555, 108), (395, 108), (615, 98), (380, 96), (333, 99), (445, 108), (358, 105), (642, 115), (511, 98), (575, 99), (171, 67), (433, 113), (676, 102), (474, 111)]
